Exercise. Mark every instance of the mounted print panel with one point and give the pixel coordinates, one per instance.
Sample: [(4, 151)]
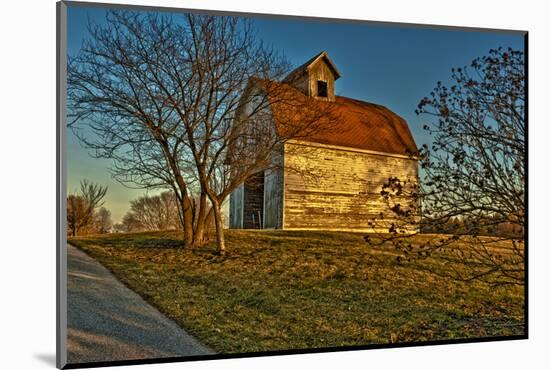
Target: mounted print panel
[(249, 184)]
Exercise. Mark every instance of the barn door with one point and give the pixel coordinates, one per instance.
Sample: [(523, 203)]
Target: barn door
[(253, 213)]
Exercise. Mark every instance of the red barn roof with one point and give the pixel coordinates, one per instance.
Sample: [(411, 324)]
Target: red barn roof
[(345, 122)]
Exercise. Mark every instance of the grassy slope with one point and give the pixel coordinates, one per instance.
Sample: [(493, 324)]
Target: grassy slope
[(292, 290)]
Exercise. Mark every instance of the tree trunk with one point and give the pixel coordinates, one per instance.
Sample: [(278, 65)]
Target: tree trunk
[(220, 238), (200, 227), (187, 221), (208, 222), (186, 206)]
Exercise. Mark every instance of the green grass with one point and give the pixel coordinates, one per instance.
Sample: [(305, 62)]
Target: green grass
[(278, 290)]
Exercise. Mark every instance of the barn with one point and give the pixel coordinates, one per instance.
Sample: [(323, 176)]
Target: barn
[(328, 180)]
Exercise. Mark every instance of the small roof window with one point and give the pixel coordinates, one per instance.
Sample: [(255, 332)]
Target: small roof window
[(322, 89)]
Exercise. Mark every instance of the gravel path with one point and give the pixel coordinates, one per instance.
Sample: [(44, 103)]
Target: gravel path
[(109, 322)]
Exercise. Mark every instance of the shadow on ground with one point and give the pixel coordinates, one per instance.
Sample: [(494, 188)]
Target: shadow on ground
[(47, 358)]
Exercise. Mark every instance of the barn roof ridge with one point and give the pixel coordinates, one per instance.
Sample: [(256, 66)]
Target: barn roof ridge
[(286, 83)]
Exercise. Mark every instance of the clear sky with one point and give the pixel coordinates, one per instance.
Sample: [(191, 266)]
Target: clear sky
[(390, 65)]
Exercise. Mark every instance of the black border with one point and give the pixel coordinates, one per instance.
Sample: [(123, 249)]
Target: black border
[(288, 352), (60, 155)]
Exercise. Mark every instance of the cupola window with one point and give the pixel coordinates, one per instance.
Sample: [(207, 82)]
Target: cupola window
[(322, 89)]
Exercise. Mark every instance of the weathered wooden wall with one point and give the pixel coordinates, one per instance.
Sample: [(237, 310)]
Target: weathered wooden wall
[(327, 188), (273, 194), (321, 71), (302, 84), (236, 208)]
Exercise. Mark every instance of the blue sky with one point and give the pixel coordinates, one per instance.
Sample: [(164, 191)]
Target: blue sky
[(390, 65)]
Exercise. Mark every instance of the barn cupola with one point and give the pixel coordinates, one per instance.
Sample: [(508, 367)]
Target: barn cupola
[(315, 77)]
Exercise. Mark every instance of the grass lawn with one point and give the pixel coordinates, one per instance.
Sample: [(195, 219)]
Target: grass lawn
[(277, 290)]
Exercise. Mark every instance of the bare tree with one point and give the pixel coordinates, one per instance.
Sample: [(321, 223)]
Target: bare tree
[(130, 223), (103, 222), (81, 207), (158, 212), (173, 101), (473, 183)]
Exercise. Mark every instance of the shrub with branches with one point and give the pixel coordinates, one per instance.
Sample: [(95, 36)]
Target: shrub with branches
[(472, 184)]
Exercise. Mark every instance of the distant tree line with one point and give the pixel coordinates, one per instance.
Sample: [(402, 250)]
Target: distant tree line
[(86, 214), (148, 213), (462, 225)]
